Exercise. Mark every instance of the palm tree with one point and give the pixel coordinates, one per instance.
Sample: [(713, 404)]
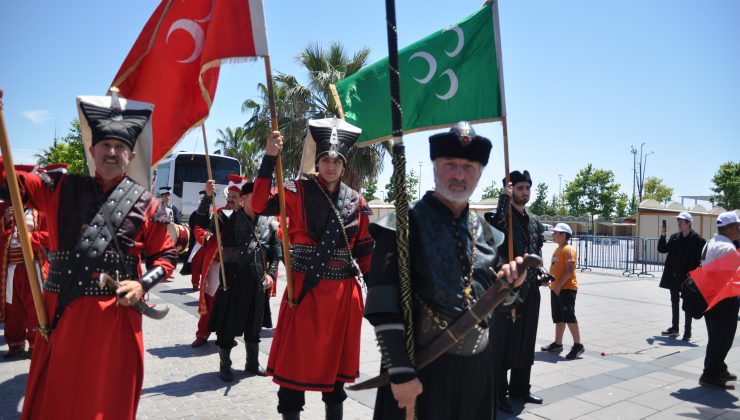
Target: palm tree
[(295, 104), (234, 143)]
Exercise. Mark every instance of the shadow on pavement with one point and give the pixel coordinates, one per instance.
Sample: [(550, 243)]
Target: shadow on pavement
[(202, 382), (12, 393), (715, 398), (548, 357), (182, 291), (183, 350), (669, 342), (267, 333)]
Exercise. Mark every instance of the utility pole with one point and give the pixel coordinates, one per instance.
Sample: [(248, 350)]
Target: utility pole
[(560, 189), (640, 173), (643, 165), (419, 195), (633, 150)]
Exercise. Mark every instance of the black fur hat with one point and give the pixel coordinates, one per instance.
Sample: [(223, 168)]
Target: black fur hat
[(460, 142), (516, 176)]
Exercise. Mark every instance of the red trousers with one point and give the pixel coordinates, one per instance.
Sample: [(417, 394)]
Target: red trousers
[(20, 316), (203, 322)]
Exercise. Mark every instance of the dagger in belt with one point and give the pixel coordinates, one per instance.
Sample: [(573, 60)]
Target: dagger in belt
[(105, 279)]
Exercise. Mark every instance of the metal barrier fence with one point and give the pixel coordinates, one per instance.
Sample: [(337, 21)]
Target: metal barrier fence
[(630, 254)]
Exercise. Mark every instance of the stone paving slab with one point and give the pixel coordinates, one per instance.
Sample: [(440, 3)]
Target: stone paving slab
[(628, 370)]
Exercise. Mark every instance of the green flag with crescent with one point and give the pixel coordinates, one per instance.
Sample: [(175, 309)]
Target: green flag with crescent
[(449, 76)]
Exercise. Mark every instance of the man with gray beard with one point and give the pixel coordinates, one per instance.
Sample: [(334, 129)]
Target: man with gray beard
[(452, 258)]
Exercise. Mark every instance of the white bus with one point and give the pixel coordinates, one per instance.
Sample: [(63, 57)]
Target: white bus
[(186, 174)]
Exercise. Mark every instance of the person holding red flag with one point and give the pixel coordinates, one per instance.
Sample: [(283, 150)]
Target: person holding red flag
[(316, 346), (92, 365), (721, 319), (20, 314)]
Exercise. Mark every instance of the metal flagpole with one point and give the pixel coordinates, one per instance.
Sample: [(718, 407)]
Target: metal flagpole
[(215, 212), (23, 236), (401, 200), (279, 178)]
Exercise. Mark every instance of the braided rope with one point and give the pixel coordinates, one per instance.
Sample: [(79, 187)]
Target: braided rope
[(402, 244), (401, 200)]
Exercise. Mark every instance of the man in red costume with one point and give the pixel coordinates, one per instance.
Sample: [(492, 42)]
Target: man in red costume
[(316, 346), (92, 365), (15, 291)]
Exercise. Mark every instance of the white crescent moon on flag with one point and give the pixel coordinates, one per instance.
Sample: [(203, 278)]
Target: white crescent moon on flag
[(460, 41), (430, 61), (195, 32), (453, 85), (210, 14)]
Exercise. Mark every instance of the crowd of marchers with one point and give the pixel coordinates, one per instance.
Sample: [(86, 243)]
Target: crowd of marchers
[(91, 234)]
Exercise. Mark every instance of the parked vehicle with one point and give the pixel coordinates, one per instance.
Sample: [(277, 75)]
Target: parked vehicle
[(548, 232), (186, 174)]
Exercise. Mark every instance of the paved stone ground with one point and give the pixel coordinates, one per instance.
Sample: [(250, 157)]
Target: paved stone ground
[(628, 371)]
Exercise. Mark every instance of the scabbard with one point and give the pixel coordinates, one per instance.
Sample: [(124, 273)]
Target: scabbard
[(492, 297), (150, 312)]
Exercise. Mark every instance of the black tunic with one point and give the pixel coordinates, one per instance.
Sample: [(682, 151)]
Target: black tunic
[(238, 310), (455, 387), (515, 341)]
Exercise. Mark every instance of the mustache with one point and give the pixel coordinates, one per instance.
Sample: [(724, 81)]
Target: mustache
[(455, 183)]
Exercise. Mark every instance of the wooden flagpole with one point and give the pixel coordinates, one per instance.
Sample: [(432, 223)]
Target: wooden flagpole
[(23, 236), (279, 178), (500, 65), (215, 212)]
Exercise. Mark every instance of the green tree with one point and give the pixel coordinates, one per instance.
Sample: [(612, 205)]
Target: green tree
[(295, 104), (69, 150), (632, 206), (412, 181), (727, 186), (622, 205), (557, 205), (655, 189), (235, 143), (491, 191), (540, 205), (370, 189), (592, 192)]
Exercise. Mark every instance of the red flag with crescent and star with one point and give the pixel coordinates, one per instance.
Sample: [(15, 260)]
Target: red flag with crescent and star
[(174, 63), (719, 279)]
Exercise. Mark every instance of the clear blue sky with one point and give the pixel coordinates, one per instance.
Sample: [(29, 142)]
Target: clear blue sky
[(584, 79)]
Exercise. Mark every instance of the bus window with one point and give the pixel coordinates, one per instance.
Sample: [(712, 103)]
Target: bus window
[(192, 168), (163, 177)]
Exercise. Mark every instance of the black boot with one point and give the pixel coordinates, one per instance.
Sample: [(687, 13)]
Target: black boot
[(292, 415), (225, 372), (334, 411), (253, 363)]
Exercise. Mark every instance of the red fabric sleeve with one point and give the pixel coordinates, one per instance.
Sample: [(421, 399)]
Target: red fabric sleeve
[(158, 246), (362, 239), (200, 235), (40, 235)]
